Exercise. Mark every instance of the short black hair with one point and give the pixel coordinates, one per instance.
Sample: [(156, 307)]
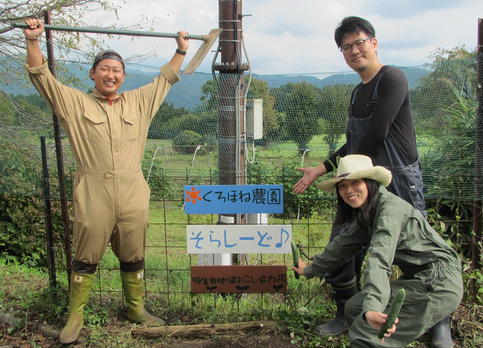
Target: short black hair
[(355, 25), (108, 54)]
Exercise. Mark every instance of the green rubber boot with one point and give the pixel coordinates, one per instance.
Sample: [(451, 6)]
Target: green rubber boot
[(80, 288), (132, 284)]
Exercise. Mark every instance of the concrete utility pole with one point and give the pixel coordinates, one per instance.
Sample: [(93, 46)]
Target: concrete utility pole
[(230, 87)]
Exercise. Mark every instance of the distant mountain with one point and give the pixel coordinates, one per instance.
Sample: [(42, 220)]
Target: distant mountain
[(349, 78), (275, 81), (187, 92)]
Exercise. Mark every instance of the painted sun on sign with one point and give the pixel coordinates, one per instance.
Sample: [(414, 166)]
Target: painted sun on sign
[(233, 199), (193, 195)]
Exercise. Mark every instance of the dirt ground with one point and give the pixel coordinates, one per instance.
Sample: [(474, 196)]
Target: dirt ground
[(28, 338), (467, 329), (271, 340), (15, 335), (241, 342)]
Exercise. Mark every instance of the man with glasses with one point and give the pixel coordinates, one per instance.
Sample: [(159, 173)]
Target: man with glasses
[(380, 126)]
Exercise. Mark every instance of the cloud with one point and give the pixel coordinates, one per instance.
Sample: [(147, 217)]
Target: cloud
[(410, 8), (287, 36)]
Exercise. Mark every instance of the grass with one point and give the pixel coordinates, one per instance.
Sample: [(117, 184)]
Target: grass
[(277, 154), (25, 293), (103, 316), (167, 284), (168, 264), (163, 155), (160, 152)]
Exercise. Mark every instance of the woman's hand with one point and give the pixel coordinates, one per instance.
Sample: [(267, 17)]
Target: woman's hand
[(377, 319), (300, 269)]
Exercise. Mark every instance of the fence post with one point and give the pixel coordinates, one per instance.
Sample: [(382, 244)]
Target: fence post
[(48, 214), (60, 160), (477, 240)]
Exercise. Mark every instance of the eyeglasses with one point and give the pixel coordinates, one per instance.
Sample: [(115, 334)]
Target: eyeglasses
[(358, 44)]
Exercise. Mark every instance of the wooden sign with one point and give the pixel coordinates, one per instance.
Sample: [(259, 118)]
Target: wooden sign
[(239, 239), (238, 279), (233, 199)]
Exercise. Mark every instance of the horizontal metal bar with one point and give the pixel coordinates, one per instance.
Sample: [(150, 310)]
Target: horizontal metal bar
[(110, 31)]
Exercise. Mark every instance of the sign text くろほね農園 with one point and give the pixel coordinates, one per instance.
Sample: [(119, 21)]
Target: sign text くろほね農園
[(233, 199)]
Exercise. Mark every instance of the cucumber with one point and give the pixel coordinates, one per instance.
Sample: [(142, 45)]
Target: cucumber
[(296, 257), (394, 309)]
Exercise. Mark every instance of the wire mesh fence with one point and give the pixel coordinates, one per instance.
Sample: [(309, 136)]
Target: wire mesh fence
[(304, 119), (303, 114)]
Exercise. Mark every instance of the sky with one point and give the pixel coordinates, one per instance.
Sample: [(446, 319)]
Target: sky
[(297, 36)]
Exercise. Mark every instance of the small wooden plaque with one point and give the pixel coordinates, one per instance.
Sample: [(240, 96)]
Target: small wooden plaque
[(238, 279)]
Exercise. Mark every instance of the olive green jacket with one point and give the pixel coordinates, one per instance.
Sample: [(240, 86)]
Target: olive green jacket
[(398, 235)]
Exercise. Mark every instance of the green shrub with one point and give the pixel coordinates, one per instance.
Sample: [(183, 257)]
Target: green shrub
[(187, 142), (22, 223), (452, 219), (473, 285), (304, 205), (160, 182), (22, 229), (20, 170)]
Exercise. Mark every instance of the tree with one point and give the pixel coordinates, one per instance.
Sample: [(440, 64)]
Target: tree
[(302, 120), (445, 103), (335, 101), (271, 127), (20, 114), (7, 112), (458, 66), (210, 95), (451, 70), (258, 89), (445, 107), (63, 12), (161, 125), (187, 142), (280, 95)]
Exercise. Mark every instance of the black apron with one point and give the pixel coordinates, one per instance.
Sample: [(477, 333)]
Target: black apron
[(407, 180)]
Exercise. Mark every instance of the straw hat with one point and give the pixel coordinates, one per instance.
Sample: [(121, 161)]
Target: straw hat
[(356, 167)]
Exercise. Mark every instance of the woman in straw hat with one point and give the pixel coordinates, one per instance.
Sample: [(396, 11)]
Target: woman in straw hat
[(392, 232)]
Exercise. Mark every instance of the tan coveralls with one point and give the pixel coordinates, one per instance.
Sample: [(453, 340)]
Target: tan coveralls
[(107, 137)]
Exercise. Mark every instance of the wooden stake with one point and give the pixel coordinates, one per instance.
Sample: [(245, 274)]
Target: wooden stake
[(203, 331)]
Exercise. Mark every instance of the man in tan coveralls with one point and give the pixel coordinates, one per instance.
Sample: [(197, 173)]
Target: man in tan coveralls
[(107, 132)]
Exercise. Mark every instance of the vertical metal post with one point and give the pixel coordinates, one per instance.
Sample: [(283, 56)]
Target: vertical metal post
[(477, 240), (231, 161), (60, 159), (48, 214)]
